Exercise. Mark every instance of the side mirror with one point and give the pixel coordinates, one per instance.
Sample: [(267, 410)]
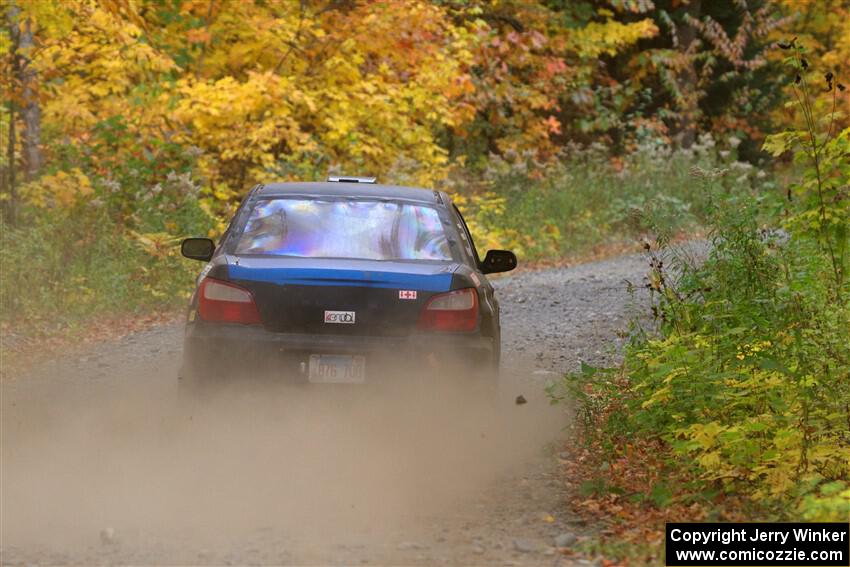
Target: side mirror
[(498, 261), (198, 248)]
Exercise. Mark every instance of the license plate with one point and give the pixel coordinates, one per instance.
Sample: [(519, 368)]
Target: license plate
[(337, 369)]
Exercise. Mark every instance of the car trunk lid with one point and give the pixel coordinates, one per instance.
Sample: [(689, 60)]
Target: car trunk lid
[(340, 296)]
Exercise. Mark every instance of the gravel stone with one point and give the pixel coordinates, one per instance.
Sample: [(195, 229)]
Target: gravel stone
[(107, 536), (566, 539), (406, 545)]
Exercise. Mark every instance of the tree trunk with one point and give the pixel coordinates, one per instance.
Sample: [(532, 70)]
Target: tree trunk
[(11, 204), (687, 80), (27, 78)]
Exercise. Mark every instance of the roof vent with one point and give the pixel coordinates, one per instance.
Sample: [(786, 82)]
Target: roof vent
[(338, 179)]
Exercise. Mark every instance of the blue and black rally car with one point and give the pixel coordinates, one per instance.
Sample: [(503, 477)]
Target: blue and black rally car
[(320, 280)]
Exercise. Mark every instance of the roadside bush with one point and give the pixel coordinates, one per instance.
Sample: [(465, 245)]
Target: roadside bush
[(75, 252), (745, 376), (749, 379), (586, 199)]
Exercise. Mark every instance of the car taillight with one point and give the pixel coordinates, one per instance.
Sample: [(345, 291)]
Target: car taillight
[(225, 302), (453, 311)]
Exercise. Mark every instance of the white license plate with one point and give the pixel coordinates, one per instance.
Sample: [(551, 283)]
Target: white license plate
[(337, 369)]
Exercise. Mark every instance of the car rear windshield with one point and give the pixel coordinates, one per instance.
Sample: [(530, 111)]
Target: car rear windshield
[(343, 228)]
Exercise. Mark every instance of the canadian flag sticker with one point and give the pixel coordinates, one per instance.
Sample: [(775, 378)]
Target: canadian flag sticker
[(407, 294)]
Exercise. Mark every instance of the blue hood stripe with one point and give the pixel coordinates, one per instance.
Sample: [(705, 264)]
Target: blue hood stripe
[(328, 277)]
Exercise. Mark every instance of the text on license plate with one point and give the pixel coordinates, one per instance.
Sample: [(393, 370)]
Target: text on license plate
[(337, 368)]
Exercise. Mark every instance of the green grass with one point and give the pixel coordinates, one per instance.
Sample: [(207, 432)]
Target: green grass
[(65, 268), (587, 200)]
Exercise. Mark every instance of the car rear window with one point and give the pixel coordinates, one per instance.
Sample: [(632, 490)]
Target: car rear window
[(337, 228)]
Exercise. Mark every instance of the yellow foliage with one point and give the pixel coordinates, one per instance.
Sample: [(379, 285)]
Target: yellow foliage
[(705, 434), (608, 38), (157, 244), (64, 188), (91, 63), (277, 90), (823, 27)]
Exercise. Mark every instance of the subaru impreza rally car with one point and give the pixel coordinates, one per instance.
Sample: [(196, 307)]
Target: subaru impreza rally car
[(321, 281)]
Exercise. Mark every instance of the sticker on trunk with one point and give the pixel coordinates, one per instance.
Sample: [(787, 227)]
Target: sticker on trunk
[(342, 317), (407, 294)]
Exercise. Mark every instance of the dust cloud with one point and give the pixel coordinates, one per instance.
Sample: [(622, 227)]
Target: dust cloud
[(90, 465)]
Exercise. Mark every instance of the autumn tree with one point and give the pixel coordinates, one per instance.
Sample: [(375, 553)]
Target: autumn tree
[(22, 93), (238, 92), (706, 69)]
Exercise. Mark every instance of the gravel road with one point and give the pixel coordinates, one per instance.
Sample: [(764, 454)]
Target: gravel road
[(102, 465)]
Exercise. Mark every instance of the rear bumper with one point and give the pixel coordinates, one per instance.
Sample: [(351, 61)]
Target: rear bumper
[(245, 344)]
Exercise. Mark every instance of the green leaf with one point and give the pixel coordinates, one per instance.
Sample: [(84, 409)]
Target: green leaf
[(771, 364), (778, 144), (661, 495), (588, 370)]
